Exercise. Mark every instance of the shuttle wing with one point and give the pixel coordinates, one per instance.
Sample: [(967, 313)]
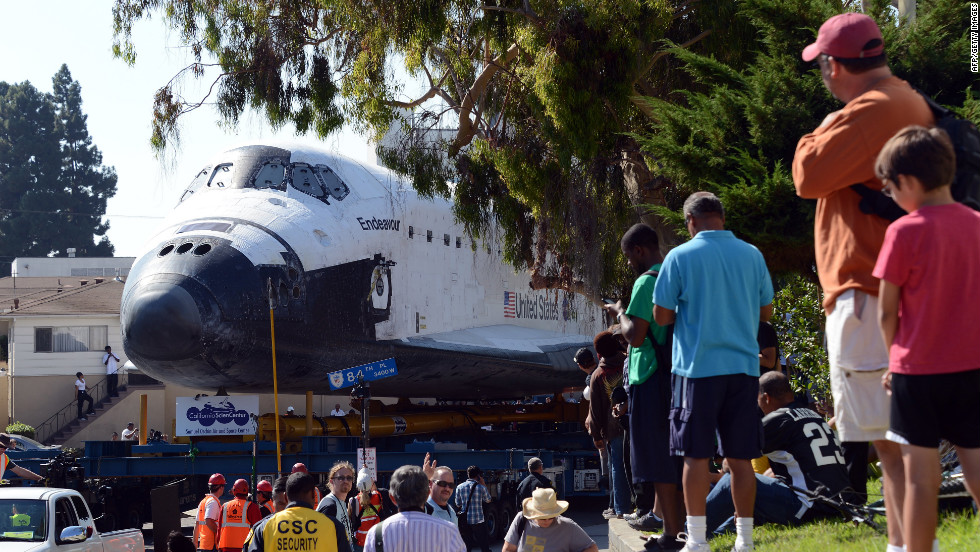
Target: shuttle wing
[(507, 342)]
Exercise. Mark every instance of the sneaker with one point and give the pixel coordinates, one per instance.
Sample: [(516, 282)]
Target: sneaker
[(696, 547), (649, 522), (636, 515), (91, 413), (83, 419), (665, 543), (608, 512)]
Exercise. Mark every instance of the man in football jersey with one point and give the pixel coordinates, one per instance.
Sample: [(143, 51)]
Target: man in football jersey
[(803, 452)]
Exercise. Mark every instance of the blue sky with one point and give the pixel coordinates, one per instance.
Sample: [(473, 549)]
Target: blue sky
[(40, 35)]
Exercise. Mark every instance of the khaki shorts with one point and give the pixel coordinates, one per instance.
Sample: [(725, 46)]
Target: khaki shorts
[(858, 359)]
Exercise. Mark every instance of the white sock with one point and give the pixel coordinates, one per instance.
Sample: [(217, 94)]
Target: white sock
[(935, 545), (697, 527), (894, 548), (743, 532)]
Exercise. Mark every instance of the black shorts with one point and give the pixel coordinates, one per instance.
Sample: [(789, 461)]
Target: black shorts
[(925, 409), (716, 414), (650, 457)]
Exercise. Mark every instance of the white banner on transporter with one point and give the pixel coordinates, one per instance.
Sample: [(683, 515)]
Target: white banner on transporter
[(217, 415)]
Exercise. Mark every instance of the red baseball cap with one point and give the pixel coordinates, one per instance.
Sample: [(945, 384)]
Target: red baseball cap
[(844, 36)]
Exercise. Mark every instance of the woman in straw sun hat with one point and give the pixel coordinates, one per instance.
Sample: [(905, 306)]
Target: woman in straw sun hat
[(539, 526)]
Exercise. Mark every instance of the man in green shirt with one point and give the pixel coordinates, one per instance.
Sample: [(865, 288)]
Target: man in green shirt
[(655, 471)]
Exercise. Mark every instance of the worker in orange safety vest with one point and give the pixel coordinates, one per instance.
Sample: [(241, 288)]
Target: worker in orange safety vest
[(237, 517), (300, 467), (209, 514), (263, 495)]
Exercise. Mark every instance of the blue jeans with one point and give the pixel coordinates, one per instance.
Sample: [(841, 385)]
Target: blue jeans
[(774, 503), (622, 501)]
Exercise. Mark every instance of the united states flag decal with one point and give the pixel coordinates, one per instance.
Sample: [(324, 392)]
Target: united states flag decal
[(509, 300)]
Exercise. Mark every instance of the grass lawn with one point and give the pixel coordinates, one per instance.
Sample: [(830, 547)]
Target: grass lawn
[(957, 531)]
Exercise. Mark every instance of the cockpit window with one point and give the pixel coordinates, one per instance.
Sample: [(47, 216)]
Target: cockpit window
[(220, 177), (319, 181), (305, 181), (199, 181), (333, 184), (271, 175)]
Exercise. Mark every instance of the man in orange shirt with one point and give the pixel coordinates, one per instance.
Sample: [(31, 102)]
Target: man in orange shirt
[(849, 51), (237, 517)]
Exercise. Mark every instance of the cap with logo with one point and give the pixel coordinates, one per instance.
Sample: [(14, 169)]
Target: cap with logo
[(846, 36)]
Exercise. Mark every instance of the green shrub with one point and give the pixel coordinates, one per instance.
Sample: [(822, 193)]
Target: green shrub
[(799, 321), (20, 428)]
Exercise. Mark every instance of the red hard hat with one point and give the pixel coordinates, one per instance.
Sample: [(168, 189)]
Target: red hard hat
[(240, 487), (264, 486), (299, 467), (216, 479)]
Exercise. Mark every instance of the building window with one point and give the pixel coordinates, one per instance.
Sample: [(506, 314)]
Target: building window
[(70, 339)]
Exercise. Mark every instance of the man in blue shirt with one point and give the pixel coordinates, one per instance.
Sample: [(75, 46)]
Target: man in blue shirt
[(714, 289), (441, 485)]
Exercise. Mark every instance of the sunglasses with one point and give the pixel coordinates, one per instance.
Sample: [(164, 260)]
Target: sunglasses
[(444, 484), (343, 478), (889, 190)]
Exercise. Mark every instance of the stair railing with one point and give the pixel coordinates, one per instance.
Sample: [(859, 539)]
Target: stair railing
[(67, 414)]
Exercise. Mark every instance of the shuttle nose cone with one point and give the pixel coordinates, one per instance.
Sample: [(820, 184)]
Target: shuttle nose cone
[(163, 323)]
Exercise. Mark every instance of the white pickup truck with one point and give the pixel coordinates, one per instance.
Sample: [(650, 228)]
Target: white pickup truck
[(35, 519)]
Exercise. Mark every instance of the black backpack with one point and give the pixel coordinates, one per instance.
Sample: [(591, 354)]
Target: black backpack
[(662, 351), (966, 183)]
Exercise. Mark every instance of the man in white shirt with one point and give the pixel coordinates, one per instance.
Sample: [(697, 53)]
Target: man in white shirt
[(131, 433), (411, 529), (81, 396), (111, 371), (337, 411)]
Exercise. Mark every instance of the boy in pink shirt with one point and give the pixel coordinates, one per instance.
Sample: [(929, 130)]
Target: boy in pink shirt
[(929, 304)]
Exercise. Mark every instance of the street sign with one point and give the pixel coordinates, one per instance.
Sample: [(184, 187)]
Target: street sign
[(370, 372), (368, 458)]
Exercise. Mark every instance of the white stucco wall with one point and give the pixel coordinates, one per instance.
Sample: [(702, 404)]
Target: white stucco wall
[(23, 361)]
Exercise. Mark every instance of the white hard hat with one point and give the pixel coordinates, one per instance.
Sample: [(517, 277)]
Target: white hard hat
[(364, 480)]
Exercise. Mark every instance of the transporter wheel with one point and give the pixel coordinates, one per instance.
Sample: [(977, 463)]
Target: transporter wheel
[(506, 517), (493, 521), (134, 517)]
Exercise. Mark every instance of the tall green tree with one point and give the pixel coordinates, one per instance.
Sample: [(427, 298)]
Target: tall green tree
[(85, 183), (30, 163), (53, 186)]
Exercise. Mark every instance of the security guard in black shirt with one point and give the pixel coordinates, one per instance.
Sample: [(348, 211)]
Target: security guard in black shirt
[(298, 528)]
